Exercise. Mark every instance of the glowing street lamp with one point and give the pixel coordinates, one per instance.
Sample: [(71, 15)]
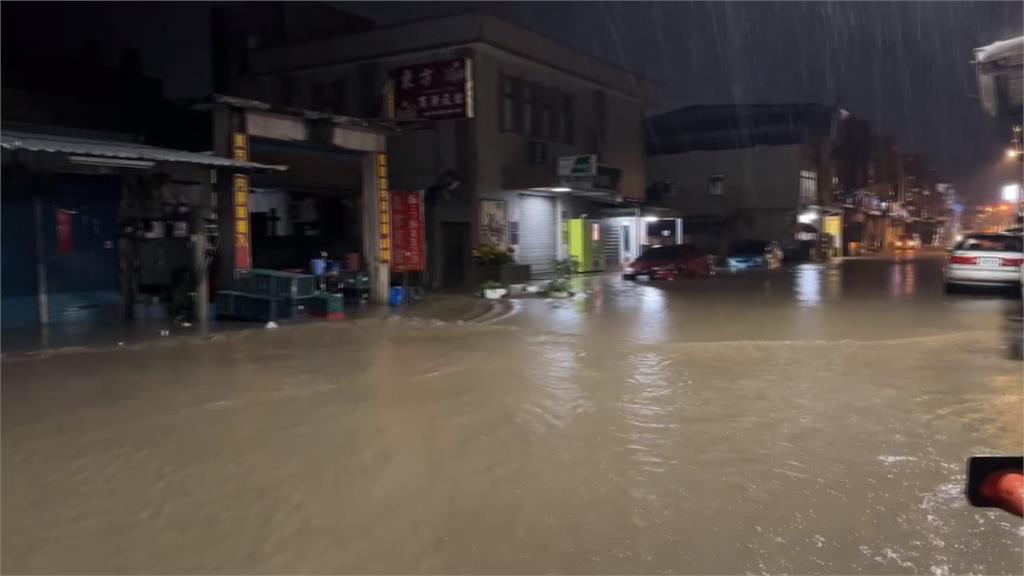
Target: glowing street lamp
[(1011, 193)]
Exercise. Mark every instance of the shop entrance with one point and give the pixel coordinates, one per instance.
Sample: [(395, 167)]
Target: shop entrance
[(313, 207)]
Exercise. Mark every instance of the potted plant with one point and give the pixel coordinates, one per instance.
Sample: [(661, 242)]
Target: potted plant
[(494, 263), (559, 288), (492, 290)]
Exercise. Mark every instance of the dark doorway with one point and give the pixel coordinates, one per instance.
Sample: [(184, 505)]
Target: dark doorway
[(455, 250)]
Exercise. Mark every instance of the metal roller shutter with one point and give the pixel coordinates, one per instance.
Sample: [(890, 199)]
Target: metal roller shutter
[(612, 243), (537, 234)]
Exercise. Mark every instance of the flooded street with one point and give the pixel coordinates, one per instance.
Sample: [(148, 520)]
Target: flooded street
[(814, 419)]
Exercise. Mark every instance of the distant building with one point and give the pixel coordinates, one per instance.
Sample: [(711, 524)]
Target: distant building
[(750, 172)]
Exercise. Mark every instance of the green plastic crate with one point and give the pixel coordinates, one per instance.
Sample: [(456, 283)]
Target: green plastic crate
[(252, 307), (301, 307), (277, 284), (354, 280), (326, 304)]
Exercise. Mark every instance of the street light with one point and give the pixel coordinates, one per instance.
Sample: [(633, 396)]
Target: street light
[(1011, 193), (807, 217)]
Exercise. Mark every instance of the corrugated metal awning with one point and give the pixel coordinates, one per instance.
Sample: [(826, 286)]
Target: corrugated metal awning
[(89, 148)]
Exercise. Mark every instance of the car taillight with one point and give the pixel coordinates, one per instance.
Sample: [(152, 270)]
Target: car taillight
[(1012, 261), (963, 260)]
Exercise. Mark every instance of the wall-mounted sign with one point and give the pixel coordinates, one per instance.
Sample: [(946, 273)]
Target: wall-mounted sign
[(434, 90), (494, 223), (407, 231), (240, 203), (607, 178), (604, 179), (65, 228), (585, 165), (240, 209), (384, 211)]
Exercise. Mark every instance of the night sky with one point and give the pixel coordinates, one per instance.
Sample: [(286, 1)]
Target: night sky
[(905, 66)]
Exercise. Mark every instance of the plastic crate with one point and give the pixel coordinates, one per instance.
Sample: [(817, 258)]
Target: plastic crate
[(251, 307), (324, 305), (354, 280), (301, 307), (277, 284)]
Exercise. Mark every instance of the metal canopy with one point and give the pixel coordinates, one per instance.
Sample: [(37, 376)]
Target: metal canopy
[(84, 147)]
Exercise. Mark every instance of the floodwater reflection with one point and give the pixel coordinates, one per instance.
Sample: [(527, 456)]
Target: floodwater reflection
[(807, 284), (902, 277)]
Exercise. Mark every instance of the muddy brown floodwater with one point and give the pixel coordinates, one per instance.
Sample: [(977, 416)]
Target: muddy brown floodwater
[(810, 420)]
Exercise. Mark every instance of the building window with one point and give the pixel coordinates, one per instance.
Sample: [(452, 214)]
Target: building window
[(527, 109), (545, 101), (330, 97), (808, 185), (715, 184), (509, 104), (286, 91), (554, 126), (566, 121)]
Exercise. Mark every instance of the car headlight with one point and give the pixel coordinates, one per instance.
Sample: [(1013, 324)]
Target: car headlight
[(665, 268), (629, 270)]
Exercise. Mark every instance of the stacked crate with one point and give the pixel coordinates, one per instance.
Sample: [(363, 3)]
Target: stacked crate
[(265, 295), (354, 284), (327, 305)]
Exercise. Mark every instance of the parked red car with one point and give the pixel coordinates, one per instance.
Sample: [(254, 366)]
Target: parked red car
[(666, 262)]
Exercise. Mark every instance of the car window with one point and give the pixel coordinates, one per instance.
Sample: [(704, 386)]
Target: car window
[(753, 247), (659, 253), (990, 243)]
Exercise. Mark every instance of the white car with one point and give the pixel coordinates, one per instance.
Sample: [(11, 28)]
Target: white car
[(984, 260)]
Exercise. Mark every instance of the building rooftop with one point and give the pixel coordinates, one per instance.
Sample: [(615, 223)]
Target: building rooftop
[(461, 30), (718, 127)]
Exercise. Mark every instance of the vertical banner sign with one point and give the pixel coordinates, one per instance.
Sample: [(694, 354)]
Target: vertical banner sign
[(407, 231), (240, 203), (384, 210), (65, 231)]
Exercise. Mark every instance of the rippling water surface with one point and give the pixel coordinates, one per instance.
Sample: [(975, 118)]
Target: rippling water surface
[(601, 446)]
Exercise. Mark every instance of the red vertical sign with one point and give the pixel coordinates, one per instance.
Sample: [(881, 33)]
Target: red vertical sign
[(240, 203), (65, 231), (240, 192), (406, 231)]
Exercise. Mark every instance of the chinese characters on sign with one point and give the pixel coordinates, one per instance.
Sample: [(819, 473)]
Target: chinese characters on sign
[(384, 210), (434, 90), (407, 231), (240, 194), (240, 203), (240, 147)]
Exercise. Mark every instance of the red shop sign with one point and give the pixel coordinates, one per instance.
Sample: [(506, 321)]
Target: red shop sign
[(406, 231), (434, 90), (65, 225)]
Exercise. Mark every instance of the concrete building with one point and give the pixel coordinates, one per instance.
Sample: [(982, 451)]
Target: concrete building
[(490, 170), (748, 172)]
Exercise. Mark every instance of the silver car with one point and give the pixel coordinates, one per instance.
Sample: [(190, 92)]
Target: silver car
[(984, 260)]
